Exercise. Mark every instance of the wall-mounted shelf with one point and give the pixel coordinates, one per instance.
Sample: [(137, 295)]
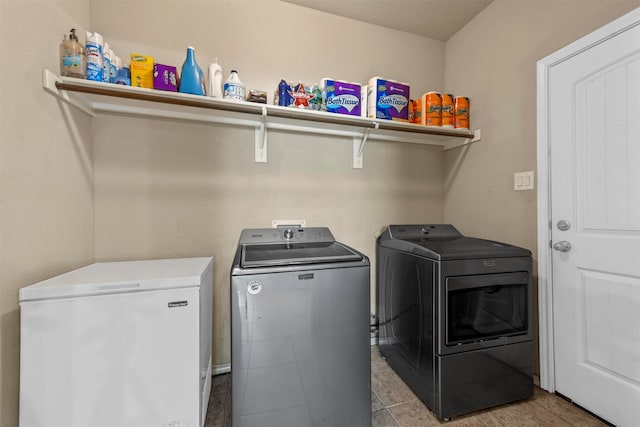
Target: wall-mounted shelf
[(95, 97)]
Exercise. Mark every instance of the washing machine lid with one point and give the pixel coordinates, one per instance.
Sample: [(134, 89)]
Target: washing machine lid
[(443, 242), (281, 254)]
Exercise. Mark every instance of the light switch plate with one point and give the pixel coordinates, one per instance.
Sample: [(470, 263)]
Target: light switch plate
[(523, 181)]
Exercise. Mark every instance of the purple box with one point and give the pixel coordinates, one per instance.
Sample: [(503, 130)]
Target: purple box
[(342, 97), (165, 77), (388, 99)]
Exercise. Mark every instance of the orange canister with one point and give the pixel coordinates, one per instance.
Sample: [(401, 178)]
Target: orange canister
[(461, 112), (431, 109), (417, 111), (447, 110), (412, 113)]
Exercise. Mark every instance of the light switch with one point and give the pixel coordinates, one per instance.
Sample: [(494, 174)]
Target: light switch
[(523, 181)]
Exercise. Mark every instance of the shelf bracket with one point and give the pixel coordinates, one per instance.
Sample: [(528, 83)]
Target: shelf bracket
[(477, 136), (49, 80), (261, 138), (358, 147)]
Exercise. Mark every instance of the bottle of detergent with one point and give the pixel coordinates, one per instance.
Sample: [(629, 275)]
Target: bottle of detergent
[(72, 57), (214, 80), (94, 56), (234, 88), (192, 77)]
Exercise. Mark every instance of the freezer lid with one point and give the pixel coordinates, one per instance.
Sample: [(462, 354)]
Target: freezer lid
[(279, 254), (120, 277)]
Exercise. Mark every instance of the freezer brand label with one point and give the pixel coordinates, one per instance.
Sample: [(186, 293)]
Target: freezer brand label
[(254, 287), (173, 304), (307, 276), (489, 262)]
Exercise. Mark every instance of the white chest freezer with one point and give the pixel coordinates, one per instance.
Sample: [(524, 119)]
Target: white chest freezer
[(118, 344)]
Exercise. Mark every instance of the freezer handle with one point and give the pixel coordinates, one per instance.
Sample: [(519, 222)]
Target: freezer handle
[(119, 287)]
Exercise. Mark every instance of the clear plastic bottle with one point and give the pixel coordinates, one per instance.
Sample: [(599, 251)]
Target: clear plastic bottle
[(72, 57), (234, 88)]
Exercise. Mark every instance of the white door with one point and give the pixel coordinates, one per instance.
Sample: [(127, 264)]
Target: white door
[(594, 140)]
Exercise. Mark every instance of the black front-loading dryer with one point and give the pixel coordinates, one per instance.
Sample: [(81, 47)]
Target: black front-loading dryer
[(455, 317)]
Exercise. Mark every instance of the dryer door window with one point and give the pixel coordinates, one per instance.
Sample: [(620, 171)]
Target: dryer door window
[(481, 308)]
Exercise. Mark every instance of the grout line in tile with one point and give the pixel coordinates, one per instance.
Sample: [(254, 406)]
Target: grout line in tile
[(554, 414), (392, 417), (400, 403), (563, 414)]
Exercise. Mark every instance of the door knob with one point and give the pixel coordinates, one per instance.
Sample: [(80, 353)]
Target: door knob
[(562, 246)]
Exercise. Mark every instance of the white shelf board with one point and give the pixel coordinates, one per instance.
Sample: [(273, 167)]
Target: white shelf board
[(97, 97)]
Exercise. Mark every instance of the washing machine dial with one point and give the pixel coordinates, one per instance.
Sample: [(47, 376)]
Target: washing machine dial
[(288, 234)]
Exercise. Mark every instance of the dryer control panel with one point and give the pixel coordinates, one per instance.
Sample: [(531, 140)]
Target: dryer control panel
[(434, 231)]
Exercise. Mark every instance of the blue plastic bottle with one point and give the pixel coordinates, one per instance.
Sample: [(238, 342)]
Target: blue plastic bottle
[(192, 77)]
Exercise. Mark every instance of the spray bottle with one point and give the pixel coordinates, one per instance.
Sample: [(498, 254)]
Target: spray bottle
[(94, 56), (72, 57)]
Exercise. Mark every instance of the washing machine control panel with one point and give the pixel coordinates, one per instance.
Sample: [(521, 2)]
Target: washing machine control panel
[(297, 234), (286, 234)]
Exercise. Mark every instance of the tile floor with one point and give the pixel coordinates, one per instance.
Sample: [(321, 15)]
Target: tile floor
[(394, 405)]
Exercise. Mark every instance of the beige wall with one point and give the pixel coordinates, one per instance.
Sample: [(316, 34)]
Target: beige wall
[(186, 190), (169, 189), (492, 60), (267, 40), (46, 202)]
